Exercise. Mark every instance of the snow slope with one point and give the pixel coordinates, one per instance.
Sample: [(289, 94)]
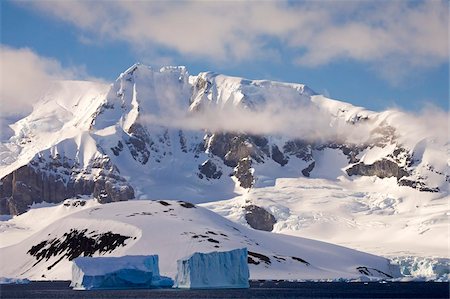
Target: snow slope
[(173, 230), (357, 214), (64, 112)]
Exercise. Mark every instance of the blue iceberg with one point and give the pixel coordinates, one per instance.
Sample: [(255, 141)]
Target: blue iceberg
[(228, 269), (127, 272)]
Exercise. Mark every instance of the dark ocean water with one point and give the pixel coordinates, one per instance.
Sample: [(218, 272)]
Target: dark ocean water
[(61, 290)]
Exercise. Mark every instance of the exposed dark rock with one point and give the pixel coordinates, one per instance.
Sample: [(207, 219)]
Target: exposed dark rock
[(351, 152), (306, 172), (212, 240), (142, 214), (26, 185), (199, 236), (106, 190), (252, 261), (417, 185), (239, 151), (243, 172), (278, 156), (201, 86), (382, 169), (259, 218), (402, 157), (4, 206), (197, 149), (230, 148), (259, 258), (182, 141), (76, 243), (300, 260), (298, 148), (117, 149), (139, 142), (55, 179), (261, 143), (370, 272), (358, 118), (186, 204), (209, 170), (279, 258), (76, 203)]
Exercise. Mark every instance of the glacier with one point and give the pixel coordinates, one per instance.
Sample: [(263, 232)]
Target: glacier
[(423, 268), (226, 269), (126, 272)]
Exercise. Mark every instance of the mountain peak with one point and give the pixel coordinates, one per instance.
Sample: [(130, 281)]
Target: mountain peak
[(208, 132), (147, 68)]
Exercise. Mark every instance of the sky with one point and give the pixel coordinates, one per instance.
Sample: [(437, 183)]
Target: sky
[(375, 54)]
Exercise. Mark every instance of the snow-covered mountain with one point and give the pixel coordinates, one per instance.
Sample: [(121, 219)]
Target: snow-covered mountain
[(270, 155), (173, 230)]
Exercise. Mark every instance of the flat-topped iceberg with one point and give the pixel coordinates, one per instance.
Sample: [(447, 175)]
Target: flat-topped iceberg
[(127, 272), (228, 269)]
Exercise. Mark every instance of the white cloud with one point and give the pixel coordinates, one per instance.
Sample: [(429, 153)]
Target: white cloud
[(25, 76), (430, 122), (411, 34), (274, 111), (283, 116)]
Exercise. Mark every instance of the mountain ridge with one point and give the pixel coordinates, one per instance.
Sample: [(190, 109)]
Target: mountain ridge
[(268, 155), (142, 118)]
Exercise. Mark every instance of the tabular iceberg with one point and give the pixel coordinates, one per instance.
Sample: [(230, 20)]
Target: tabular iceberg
[(127, 272), (228, 269)]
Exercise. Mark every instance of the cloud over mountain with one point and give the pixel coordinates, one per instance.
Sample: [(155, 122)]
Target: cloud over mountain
[(25, 76)]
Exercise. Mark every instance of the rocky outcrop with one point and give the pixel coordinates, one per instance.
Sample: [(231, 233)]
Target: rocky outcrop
[(258, 218), (306, 172), (299, 148), (139, 143), (56, 179), (383, 169), (90, 243), (351, 151), (27, 185), (209, 170), (278, 156), (118, 148), (232, 148), (239, 151), (183, 141), (421, 186), (244, 173)]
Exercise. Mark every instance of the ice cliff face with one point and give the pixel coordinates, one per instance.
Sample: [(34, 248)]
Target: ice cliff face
[(146, 136), (228, 269), (126, 272)]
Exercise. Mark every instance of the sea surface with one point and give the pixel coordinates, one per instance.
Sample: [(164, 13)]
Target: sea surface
[(268, 289)]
